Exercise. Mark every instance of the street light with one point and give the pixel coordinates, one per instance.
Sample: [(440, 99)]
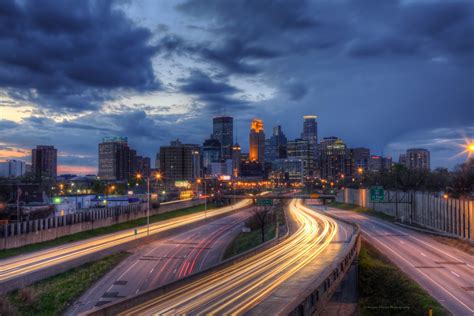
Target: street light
[(199, 181), (157, 176)]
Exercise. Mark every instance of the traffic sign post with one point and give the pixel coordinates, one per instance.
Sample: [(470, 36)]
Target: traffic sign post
[(377, 194), (264, 202)]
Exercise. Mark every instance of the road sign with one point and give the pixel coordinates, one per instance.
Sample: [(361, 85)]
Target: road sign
[(314, 196), (264, 202), (377, 194)]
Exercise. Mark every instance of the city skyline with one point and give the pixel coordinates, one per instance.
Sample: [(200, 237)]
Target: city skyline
[(371, 88)]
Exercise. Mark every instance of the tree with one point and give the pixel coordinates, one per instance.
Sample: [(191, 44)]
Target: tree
[(462, 183), (262, 215)]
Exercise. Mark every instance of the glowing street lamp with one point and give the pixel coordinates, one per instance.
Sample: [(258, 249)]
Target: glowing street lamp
[(157, 176)]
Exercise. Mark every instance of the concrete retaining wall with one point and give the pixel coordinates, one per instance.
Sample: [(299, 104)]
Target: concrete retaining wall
[(454, 217), (41, 230)]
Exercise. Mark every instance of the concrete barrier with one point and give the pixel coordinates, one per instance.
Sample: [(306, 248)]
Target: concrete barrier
[(41, 230), (313, 300)]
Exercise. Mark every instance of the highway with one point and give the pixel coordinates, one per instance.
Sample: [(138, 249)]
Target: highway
[(445, 272), (164, 261), (24, 264), (241, 287)]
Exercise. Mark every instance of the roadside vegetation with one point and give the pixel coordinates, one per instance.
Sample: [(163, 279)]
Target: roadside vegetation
[(103, 230), (362, 210), (386, 290), (54, 295), (263, 225)]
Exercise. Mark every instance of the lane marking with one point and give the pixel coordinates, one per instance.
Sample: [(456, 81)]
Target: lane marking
[(421, 272), (455, 274)]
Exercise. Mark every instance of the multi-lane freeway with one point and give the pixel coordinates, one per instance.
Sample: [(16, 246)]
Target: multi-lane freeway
[(20, 266), (164, 261), (445, 272), (241, 287)]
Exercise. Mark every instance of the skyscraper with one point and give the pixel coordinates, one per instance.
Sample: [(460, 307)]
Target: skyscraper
[(310, 130), (257, 141), (44, 161), (236, 156), (12, 168), (115, 159), (302, 149), (179, 161), (276, 145), (223, 131), (418, 159), (334, 158), (361, 158), (211, 152)]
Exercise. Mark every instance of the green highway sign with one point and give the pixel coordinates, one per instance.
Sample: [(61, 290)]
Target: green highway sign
[(377, 194), (264, 202)]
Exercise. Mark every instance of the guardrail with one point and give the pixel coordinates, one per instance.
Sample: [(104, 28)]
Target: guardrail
[(313, 299)]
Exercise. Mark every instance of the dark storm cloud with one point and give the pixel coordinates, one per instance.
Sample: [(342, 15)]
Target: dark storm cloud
[(75, 54), (425, 28), (214, 93)]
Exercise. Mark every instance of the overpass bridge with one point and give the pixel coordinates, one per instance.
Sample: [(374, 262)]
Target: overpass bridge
[(271, 196)]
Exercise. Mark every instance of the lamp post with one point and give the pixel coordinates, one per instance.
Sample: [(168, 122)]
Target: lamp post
[(156, 176), (205, 197)]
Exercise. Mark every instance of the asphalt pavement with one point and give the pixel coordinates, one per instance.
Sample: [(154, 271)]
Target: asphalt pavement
[(164, 261), (445, 272)]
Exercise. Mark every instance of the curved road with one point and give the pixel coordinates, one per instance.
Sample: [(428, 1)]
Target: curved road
[(239, 288), (445, 272), (164, 261), (24, 264)]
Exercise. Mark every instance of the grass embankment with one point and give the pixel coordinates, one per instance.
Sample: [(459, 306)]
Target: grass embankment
[(362, 210), (386, 290), (53, 296), (102, 231), (247, 241)]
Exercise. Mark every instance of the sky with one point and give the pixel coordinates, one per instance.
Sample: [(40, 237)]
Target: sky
[(388, 75)]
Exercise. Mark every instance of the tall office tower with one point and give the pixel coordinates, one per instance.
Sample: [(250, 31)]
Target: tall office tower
[(211, 152), (418, 159), (310, 129), (223, 131), (402, 159), (334, 158), (44, 161), (257, 142), (179, 161), (236, 156), (157, 161), (360, 158), (276, 145), (114, 159), (379, 163), (12, 168), (301, 149), (141, 166)]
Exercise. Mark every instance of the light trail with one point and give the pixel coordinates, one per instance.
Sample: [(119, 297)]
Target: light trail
[(238, 288), (24, 264)]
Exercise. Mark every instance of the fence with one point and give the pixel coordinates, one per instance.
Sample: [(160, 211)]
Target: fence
[(40, 230), (452, 216)]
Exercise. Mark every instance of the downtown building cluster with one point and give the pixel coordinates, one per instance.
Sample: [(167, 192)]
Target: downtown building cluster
[(220, 156)]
